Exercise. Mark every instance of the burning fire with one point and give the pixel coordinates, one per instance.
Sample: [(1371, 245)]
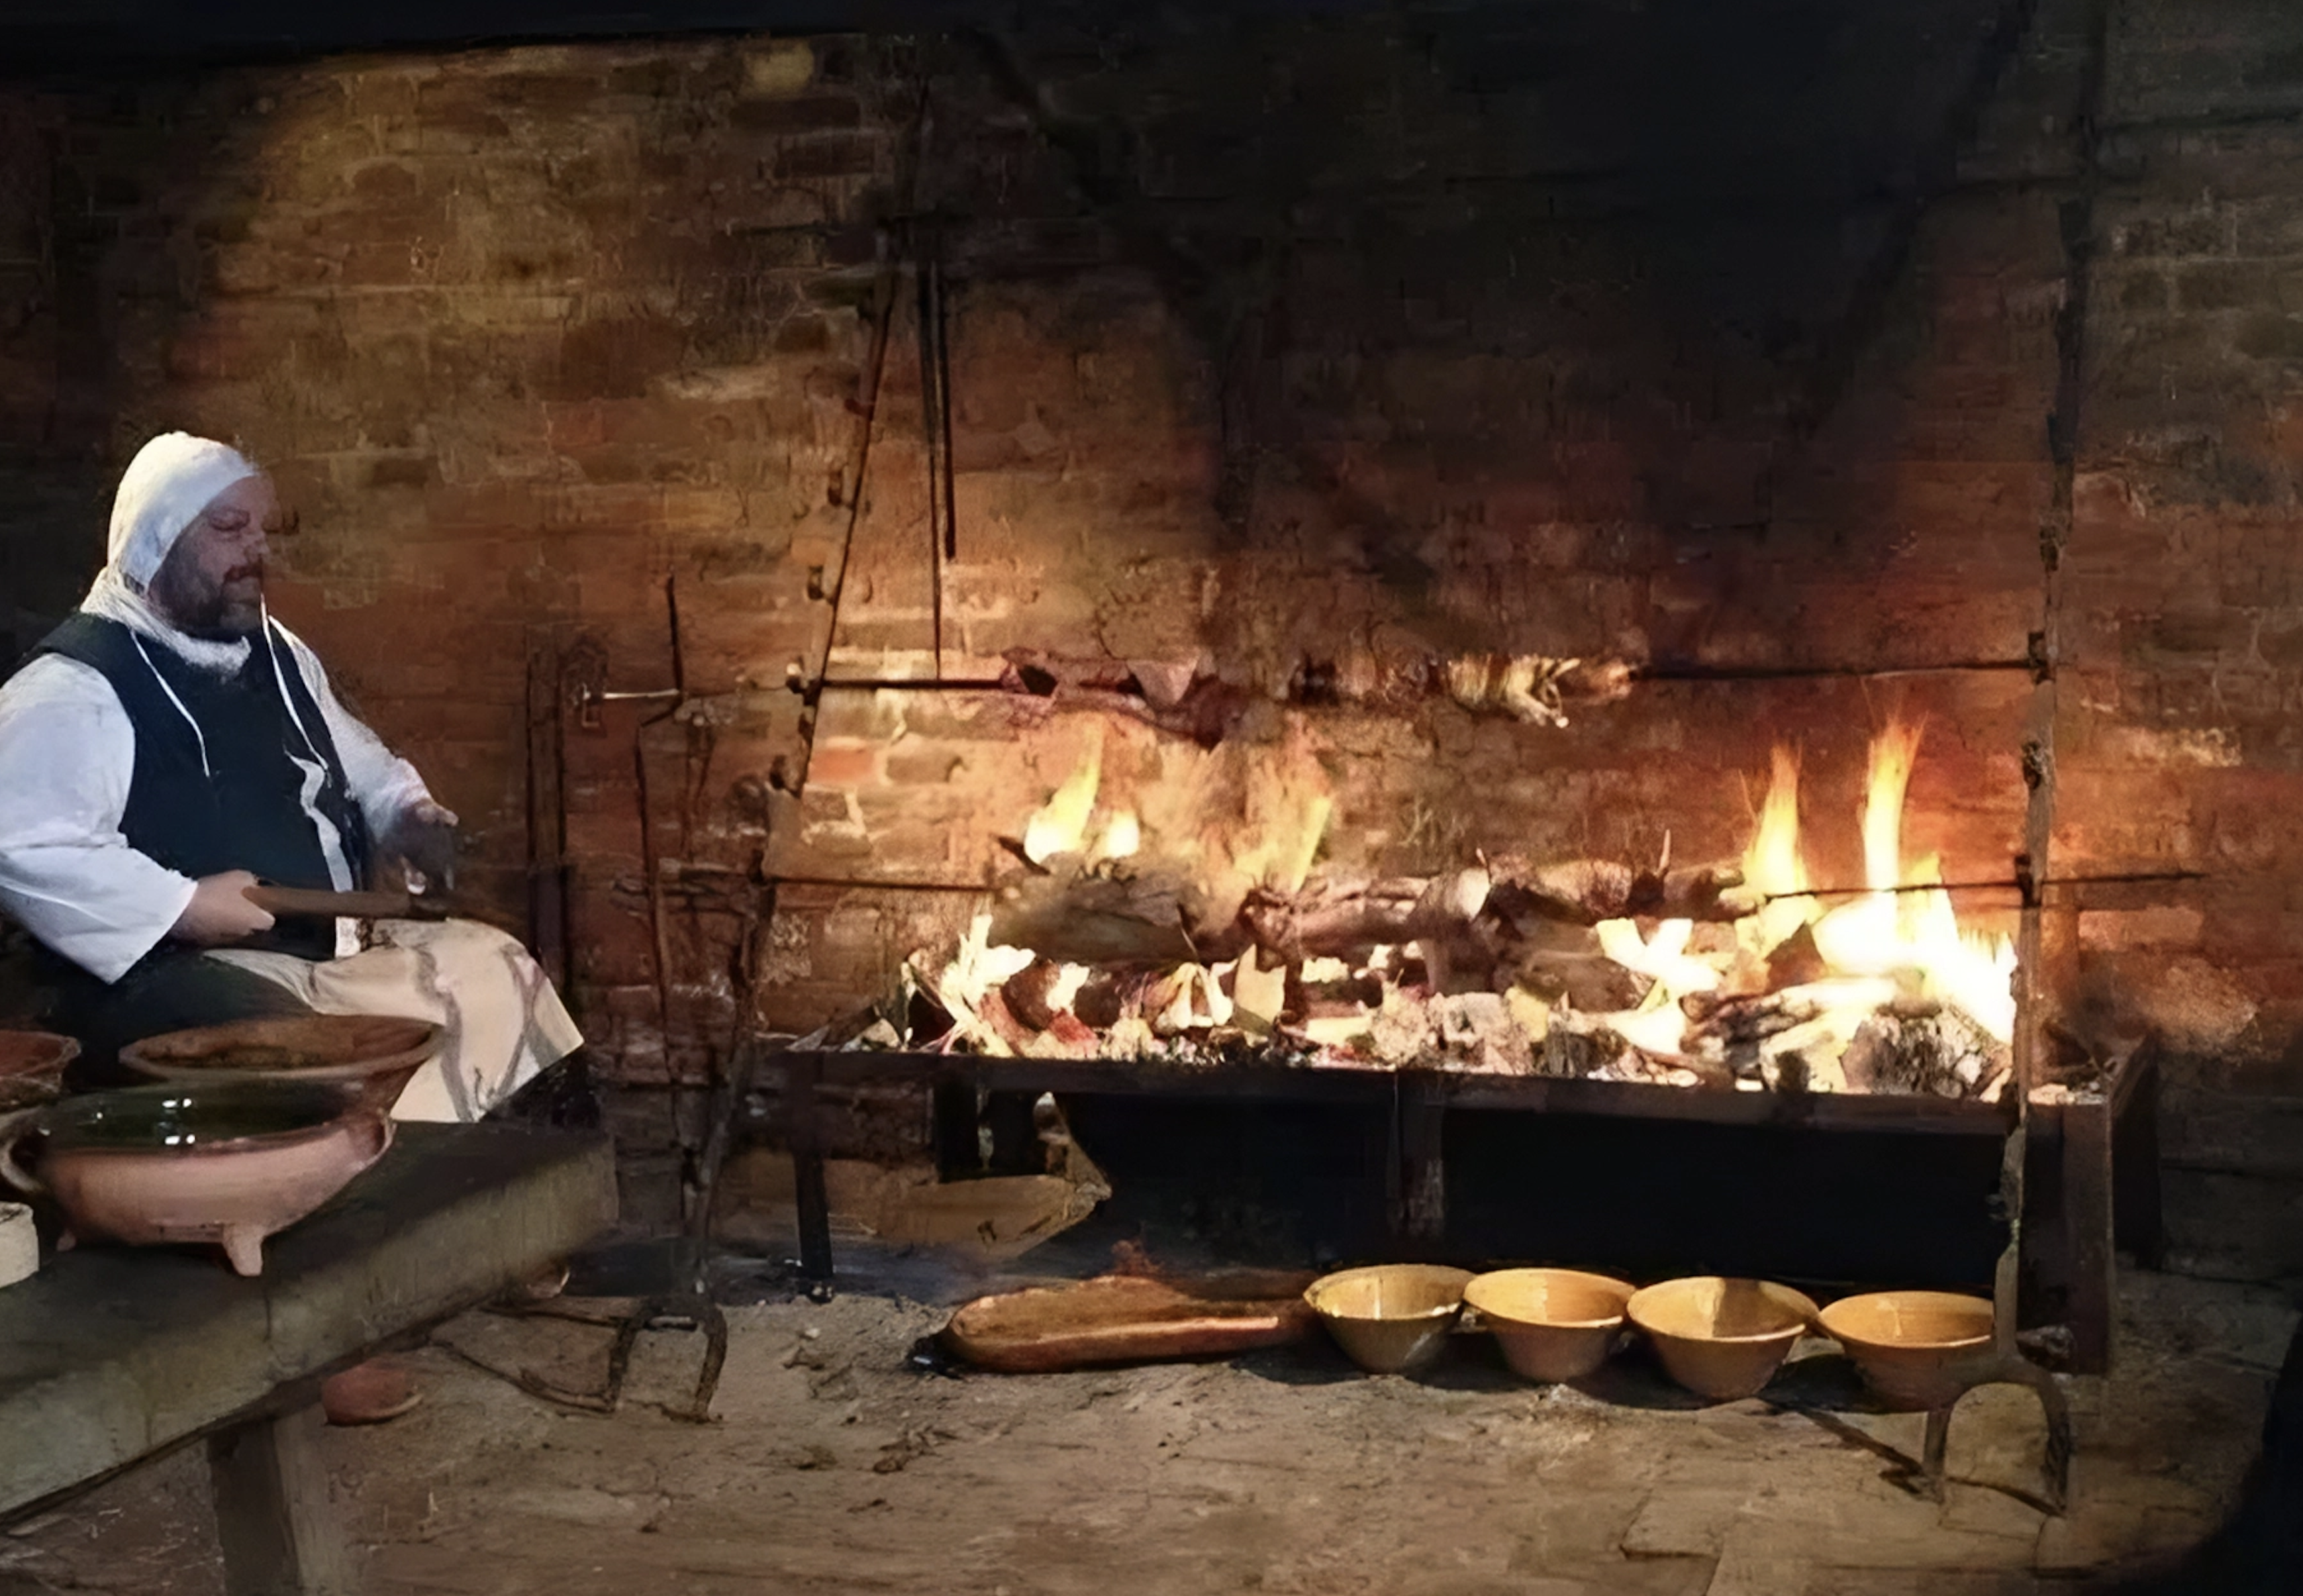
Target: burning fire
[(1892, 932), (1807, 990), (1890, 950)]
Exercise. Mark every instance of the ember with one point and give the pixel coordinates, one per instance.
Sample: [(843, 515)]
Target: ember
[(1163, 936)]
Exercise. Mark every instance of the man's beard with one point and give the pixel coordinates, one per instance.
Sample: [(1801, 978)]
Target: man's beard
[(233, 610)]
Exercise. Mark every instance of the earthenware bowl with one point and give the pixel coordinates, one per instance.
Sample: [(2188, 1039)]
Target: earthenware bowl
[(230, 1164), (32, 1068), (1721, 1338), (375, 1053), (1904, 1342), (1551, 1323), (1390, 1317)]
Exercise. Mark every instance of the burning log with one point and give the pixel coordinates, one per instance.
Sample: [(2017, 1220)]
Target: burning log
[(1109, 919), (1104, 919), (1590, 982), (1586, 891), (1347, 918)]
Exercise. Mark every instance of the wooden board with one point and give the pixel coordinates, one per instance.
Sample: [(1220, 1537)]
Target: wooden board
[(1129, 1319)]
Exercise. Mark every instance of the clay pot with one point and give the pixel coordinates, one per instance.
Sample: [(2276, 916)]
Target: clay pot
[(373, 1053), (32, 1068), (1721, 1338), (1391, 1317), (1551, 1323), (1905, 1342), (230, 1164)]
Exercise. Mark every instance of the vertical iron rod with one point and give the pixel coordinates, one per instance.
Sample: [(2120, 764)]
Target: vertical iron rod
[(924, 278), (943, 406)]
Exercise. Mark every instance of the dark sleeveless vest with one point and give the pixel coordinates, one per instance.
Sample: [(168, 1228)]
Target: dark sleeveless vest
[(227, 795)]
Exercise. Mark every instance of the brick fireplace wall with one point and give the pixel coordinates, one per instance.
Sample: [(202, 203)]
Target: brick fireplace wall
[(1279, 349)]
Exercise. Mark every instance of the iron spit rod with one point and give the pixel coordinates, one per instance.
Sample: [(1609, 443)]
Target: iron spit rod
[(1822, 672), (2131, 878), (914, 684)]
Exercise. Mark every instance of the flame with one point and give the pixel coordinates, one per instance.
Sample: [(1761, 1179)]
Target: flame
[(1772, 863), (1287, 804), (1059, 826), (977, 967), (1663, 956), (1894, 752), (1889, 933), (1122, 837)]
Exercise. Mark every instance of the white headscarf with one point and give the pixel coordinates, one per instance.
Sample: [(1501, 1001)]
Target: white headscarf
[(170, 482)]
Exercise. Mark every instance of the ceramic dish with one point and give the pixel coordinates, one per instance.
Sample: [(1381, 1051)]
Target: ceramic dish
[(1391, 1317), (1721, 1338), (375, 1053), (228, 1164), (1551, 1323)]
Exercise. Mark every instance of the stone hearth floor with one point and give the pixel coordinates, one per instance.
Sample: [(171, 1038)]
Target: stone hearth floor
[(835, 1467)]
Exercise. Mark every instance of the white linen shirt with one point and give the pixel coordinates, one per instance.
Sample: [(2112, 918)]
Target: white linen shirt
[(67, 755)]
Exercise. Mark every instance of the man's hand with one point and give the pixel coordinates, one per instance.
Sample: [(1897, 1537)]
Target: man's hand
[(220, 911), (423, 840)]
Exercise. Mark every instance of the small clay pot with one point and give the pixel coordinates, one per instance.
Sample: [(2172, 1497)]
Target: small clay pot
[(375, 1053), (1721, 1338), (1551, 1323), (32, 1069), (1390, 1318), (1905, 1342), (227, 1164)]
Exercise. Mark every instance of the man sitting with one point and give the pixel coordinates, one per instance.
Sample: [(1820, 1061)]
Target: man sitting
[(171, 745)]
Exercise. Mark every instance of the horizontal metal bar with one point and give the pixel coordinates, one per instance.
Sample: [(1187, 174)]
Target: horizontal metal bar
[(859, 885), (1823, 673), (2011, 884), (914, 684)]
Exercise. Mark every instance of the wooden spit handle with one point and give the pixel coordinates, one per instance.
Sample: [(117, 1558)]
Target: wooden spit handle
[(303, 903)]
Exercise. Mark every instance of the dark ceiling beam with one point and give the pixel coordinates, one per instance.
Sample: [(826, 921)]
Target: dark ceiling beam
[(37, 35)]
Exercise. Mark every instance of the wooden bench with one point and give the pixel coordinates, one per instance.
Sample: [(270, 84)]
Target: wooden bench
[(111, 1357)]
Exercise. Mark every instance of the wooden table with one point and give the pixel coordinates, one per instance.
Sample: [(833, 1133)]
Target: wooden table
[(2098, 1199), (110, 1356)]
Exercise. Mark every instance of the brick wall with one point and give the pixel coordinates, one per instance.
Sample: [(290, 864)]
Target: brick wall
[(1342, 344), (2183, 744)]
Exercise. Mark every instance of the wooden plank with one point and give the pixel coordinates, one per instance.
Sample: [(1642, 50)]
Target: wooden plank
[(281, 1535), (112, 1354)]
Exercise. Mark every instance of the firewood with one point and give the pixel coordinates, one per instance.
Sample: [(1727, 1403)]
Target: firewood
[(1795, 960), (1026, 993), (1592, 982), (1472, 921), (1749, 1018), (1586, 891)]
